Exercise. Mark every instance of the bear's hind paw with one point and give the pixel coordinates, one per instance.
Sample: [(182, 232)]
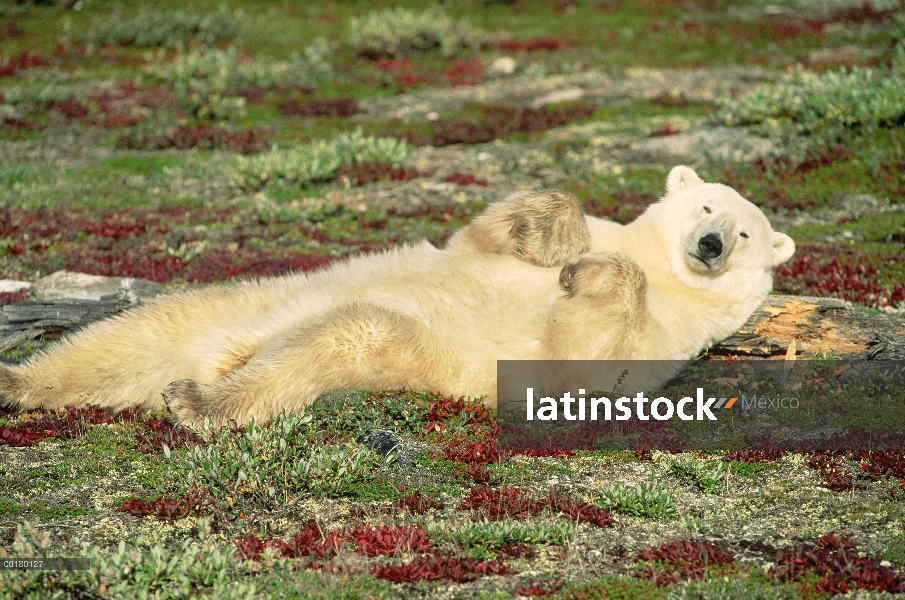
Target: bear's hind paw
[(183, 399)]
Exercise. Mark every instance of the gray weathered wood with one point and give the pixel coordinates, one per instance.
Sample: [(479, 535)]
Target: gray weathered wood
[(814, 324), (27, 321)]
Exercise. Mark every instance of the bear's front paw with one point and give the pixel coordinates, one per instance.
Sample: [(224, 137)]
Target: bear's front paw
[(608, 275)]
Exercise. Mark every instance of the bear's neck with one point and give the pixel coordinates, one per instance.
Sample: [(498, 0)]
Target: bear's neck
[(692, 320)]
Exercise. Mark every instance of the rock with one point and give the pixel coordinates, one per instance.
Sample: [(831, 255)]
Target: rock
[(814, 10), (503, 66), (389, 444), (600, 86), (844, 208), (566, 95), (80, 286), (9, 111), (717, 144), (845, 53), (11, 286)]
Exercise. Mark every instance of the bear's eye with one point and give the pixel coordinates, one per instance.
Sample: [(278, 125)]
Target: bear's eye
[(707, 210), (744, 235)]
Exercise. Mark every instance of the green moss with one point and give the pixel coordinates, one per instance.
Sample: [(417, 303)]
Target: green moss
[(152, 473), (8, 507), (150, 165), (436, 464), (743, 469), (379, 491), (613, 588), (45, 512), (894, 551), (68, 471), (286, 582), (748, 587)]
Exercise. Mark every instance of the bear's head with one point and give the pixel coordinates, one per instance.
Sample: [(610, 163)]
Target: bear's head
[(711, 238)]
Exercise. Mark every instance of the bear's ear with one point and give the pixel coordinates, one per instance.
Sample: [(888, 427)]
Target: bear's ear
[(681, 177), (783, 248)]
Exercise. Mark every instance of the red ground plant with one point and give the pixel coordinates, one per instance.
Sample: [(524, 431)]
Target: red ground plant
[(531, 45), (465, 179), (786, 30), (336, 107), (202, 137), (439, 567), (543, 587), (819, 270), (865, 12), (194, 503), (833, 559), (682, 560), (400, 71), (150, 436), (71, 109), (68, 424), (494, 121), (578, 510), (477, 452), (506, 502), (369, 172), (20, 62), (18, 125), (12, 297), (752, 456), (666, 129), (11, 29), (465, 73), (509, 502), (310, 541), (835, 467), (418, 503), (159, 432), (382, 540)]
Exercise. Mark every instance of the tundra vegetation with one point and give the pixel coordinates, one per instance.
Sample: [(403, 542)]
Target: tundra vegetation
[(195, 142)]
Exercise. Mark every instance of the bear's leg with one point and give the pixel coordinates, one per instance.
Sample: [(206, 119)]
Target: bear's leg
[(357, 346), (603, 313), (545, 229)]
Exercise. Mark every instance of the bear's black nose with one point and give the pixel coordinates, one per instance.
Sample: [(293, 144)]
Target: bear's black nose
[(710, 246)]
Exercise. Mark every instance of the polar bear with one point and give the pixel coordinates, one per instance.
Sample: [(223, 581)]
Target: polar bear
[(531, 278)]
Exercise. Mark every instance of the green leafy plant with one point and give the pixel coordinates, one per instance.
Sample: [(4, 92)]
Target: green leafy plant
[(482, 539), (267, 465), (40, 93), (399, 31), (165, 28), (317, 161), (710, 476), (812, 110), (130, 570), (204, 79), (644, 500)]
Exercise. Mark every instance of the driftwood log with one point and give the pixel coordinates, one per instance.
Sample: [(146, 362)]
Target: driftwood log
[(26, 323), (784, 325), (804, 326)]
